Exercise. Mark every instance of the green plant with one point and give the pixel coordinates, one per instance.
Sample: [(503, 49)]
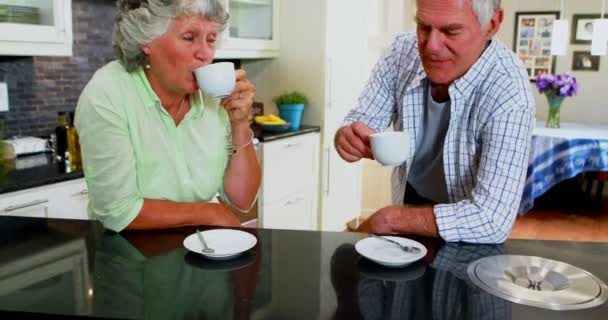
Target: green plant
[(293, 97)]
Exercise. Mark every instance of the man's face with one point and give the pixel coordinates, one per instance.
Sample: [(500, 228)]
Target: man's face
[(450, 39), (189, 43)]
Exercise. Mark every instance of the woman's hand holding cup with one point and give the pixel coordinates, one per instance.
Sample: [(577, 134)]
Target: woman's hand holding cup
[(238, 103), (220, 80)]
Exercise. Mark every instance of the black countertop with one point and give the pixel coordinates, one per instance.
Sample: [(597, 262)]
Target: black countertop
[(34, 171), (52, 269), (264, 136)]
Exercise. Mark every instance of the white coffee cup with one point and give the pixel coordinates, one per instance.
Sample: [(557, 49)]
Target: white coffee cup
[(216, 80), (390, 148)]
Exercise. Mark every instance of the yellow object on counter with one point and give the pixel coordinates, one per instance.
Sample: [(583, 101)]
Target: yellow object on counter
[(269, 120)]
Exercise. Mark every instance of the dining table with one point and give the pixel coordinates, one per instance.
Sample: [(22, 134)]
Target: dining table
[(559, 154), (75, 269)]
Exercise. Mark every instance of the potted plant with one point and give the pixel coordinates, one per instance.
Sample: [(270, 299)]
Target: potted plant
[(291, 105)]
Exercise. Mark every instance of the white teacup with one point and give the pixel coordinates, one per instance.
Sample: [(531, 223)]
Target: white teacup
[(390, 148), (216, 80)]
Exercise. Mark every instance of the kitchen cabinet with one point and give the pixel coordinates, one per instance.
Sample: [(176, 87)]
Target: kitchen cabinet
[(64, 200), (290, 178), (26, 203), (36, 27), (252, 31), (327, 61)]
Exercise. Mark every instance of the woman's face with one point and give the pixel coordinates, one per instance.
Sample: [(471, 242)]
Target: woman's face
[(188, 44)]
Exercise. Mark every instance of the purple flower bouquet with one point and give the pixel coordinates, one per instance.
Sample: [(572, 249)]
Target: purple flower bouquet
[(556, 88)]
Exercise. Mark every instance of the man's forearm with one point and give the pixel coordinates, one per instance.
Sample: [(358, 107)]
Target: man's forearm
[(415, 220)]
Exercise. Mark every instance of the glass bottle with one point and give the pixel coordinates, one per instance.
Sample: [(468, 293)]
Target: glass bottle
[(61, 132), (73, 145)]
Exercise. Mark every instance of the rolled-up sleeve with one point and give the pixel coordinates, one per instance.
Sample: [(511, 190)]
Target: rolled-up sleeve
[(487, 216), (108, 160)]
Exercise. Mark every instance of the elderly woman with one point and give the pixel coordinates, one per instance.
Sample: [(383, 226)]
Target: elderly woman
[(155, 149)]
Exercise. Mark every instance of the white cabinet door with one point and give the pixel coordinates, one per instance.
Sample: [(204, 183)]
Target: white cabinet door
[(25, 204), (70, 200), (36, 27), (294, 212), (252, 31), (290, 178), (287, 167)]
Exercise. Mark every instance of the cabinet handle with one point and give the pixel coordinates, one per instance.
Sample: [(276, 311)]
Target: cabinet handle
[(292, 144), (81, 193), (25, 205), (293, 201), (328, 171)]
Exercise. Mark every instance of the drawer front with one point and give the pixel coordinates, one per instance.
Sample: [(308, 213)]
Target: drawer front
[(25, 204), (288, 167), (294, 213), (70, 200)]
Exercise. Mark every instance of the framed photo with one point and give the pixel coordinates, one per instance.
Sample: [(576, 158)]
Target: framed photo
[(532, 41), (582, 28), (584, 61)]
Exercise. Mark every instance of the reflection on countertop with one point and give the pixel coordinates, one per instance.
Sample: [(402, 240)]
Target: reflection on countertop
[(288, 275), (35, 171)]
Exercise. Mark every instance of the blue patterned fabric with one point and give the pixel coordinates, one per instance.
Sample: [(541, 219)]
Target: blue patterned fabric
[(553, 161), (486, 149)]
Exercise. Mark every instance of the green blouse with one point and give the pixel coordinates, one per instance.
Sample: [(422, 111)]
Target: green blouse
[(133, 151)]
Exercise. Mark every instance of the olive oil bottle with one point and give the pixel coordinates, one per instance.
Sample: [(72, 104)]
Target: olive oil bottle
[(61, 132), (73, 145)]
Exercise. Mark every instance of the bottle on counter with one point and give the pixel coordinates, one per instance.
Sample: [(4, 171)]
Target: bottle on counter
[(73, 145), (61, 133)]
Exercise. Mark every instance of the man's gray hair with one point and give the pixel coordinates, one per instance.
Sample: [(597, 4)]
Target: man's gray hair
[(484, 10), (138, 22)]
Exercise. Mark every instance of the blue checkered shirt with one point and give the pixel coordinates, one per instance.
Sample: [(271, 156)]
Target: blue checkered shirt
[(486, 147)]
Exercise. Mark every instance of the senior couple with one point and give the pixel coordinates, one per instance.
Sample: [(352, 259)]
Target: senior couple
[(155, 148)]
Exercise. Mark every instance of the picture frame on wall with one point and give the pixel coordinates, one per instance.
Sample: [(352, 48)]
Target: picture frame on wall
[(532, 41), (584, 61), (582, 28)]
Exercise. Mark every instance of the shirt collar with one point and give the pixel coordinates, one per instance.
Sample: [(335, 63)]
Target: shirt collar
[(151, 100), (477, 72), (465, 84)]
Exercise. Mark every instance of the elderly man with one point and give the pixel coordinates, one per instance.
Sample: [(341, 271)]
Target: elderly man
[(466, 102)]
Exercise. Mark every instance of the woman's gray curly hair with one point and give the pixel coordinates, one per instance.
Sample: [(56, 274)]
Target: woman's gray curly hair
[(138, 22)]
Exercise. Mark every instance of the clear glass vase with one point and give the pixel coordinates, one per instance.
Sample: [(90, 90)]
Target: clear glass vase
[(555, 105)]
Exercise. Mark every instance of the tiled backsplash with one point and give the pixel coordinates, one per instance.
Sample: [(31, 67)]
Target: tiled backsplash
[(39, 87)]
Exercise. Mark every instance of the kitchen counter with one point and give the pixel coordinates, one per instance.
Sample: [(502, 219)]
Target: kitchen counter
[(51, 269), (269, 136), (39, 170), (35, 171)]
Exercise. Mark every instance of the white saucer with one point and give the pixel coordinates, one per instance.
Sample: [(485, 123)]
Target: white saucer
[(388, 254), (227, 243)]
